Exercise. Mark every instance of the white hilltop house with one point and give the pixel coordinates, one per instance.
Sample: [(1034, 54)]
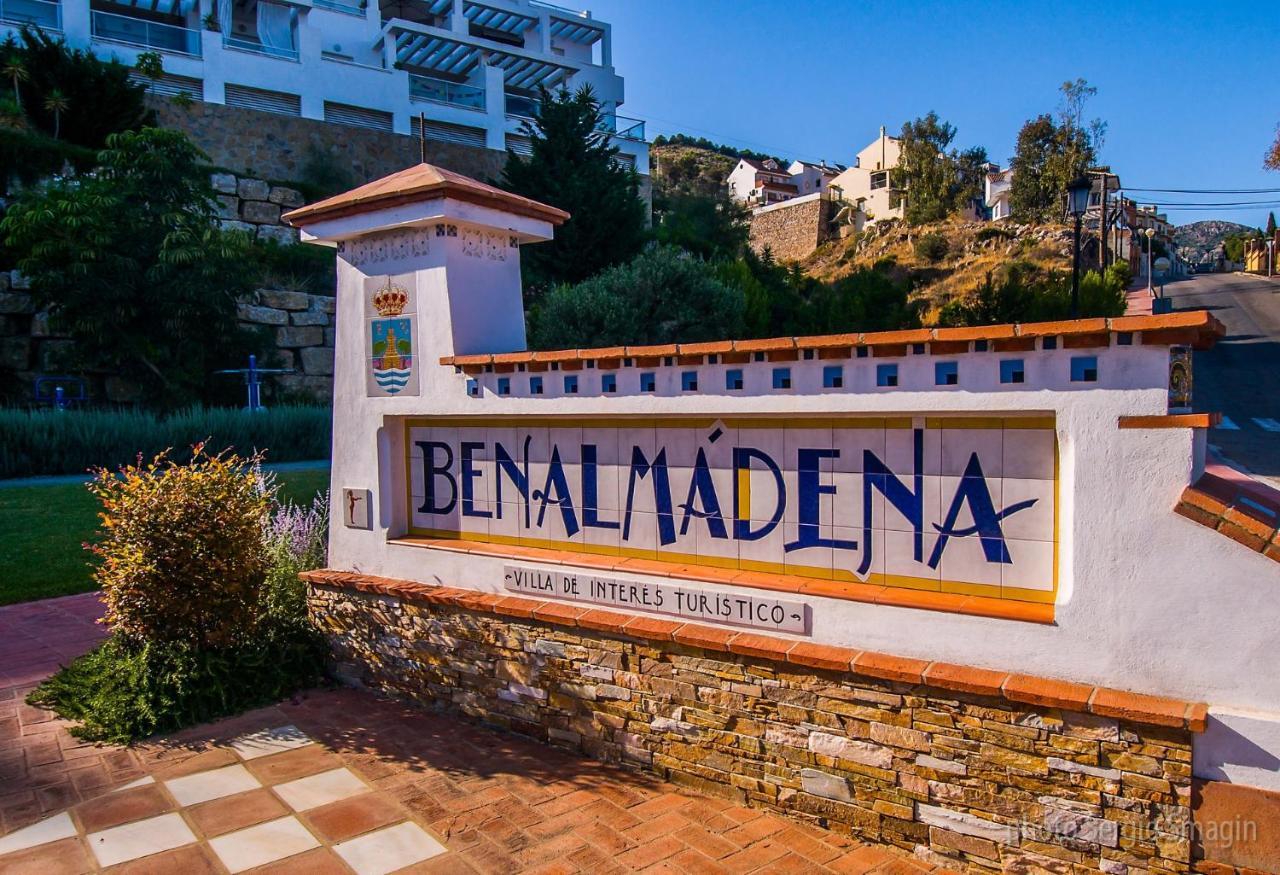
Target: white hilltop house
[(868, 186), (764, 182), (466, 72), (997, 187)]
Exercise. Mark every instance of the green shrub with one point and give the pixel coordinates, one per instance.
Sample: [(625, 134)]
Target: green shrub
[(199, 568), (123, 691), (932, 247), (992, 232), (49, 441), (183, 558), (660, 296)]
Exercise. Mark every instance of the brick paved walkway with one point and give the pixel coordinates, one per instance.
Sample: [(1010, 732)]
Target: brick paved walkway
[(498, 803)]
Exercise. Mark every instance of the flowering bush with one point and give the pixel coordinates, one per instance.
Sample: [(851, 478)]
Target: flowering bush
[(183, 558), (200, 571)]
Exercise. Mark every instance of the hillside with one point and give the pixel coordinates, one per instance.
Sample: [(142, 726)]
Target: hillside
[(973, 249), (1197, 240), (688, 169)]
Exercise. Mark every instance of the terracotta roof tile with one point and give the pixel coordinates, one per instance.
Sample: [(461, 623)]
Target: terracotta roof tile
[(1200, 325), (419, 183)]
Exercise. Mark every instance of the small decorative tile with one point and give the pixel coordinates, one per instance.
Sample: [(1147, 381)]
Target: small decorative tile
[(321, 789), (269, 741), (203, 786), (264, 843), (48, 830), (140, 839), (387, 850)]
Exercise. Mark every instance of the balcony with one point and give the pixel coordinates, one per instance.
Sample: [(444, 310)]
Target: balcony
[(40, 13), (347, 7), (147, 34), (248, 45), (520, 106), (443, 91), (622, 127)]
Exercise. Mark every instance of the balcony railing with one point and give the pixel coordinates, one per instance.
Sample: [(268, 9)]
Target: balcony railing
[(41, 13), (139, 32), (522, 107), (622, 127), (442, 91), (350, 8), (244, 45)]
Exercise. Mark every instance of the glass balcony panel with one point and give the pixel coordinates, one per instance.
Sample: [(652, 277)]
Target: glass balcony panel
[(41, 13), (444, 91), (521, 106), (139, 32), (246, 45)]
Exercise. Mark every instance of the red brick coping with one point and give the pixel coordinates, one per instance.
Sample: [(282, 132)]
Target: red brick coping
[(1026, 689), (1196, 328), (1244, 510), (867, 593)]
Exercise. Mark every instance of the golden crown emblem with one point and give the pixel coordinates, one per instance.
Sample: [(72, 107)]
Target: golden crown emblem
[(390, 301)]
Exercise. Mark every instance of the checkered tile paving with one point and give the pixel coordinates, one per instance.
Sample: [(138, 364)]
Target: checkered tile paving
[(265, 798)]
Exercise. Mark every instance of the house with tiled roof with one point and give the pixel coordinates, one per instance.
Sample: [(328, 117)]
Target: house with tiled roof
[(981, 593), (760, 182)]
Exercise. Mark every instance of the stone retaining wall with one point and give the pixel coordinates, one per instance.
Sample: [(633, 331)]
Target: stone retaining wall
[(299, 330), (254, 206), (974, 780), (792, 230)]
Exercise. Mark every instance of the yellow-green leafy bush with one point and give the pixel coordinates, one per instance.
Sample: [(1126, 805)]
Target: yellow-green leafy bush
[(183, 558)]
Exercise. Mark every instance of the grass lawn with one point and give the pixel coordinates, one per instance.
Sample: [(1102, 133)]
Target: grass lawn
[(40, 552)]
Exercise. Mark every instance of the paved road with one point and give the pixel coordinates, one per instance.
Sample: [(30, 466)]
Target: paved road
[(1240, 376)]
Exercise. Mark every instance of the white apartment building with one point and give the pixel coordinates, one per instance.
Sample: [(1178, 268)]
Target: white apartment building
[(760, 182), (809, 178), (466, 72), (869, 183), (996, 190)]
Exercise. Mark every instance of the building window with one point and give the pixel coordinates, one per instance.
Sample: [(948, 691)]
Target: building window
[(808, 355), (880, 179), (863, 352), (1084, 369), (473, 388), (979, 346), (917, 349), (757, 357), (782, 378), (713, 359), (946, 373), (609, 383), (504, 385), (648, 383), (689, 381), (1049, 343), (668, 361), (1124, 338), (733, 380), (571, 384), (535, 385), (555, 366), (886, 375), (833, 377), (1011, 371)]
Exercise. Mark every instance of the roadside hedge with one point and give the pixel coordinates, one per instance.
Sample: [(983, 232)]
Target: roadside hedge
[(50, 441)]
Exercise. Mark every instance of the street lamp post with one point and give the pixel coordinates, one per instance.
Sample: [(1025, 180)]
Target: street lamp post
[(1150, 232), (1271, 257), (1077, 204)]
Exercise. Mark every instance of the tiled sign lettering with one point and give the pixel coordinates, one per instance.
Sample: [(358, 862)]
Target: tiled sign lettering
[(949, 505), (690, 602)]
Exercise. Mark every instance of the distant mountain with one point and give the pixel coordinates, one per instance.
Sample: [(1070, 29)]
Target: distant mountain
[(1197, 240)]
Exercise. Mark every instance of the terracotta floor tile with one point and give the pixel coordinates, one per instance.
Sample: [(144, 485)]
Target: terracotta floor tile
[(66, 857), (279, 768), (191, 860), (114, 809), (351, 817), (201, 762), (235, 812), (320, 861)]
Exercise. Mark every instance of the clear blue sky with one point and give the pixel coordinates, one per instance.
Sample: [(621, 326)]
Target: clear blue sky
[(1189, 90)]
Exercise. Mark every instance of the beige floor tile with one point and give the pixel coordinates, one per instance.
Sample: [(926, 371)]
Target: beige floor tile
[(262, 844), (139, 839), (269, 741), (321, 789), (214, 784), (48, 830), (387, 850), (141, 782)]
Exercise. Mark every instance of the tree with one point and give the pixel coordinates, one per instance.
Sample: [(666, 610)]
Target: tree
[(660, 296), (56, 102), (573, 167), (1051, 154), (131, 264), (1271, 224), (16, 72), (971, 173), (709, 227), (1271, 160), (925, 171), (101, 98)]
